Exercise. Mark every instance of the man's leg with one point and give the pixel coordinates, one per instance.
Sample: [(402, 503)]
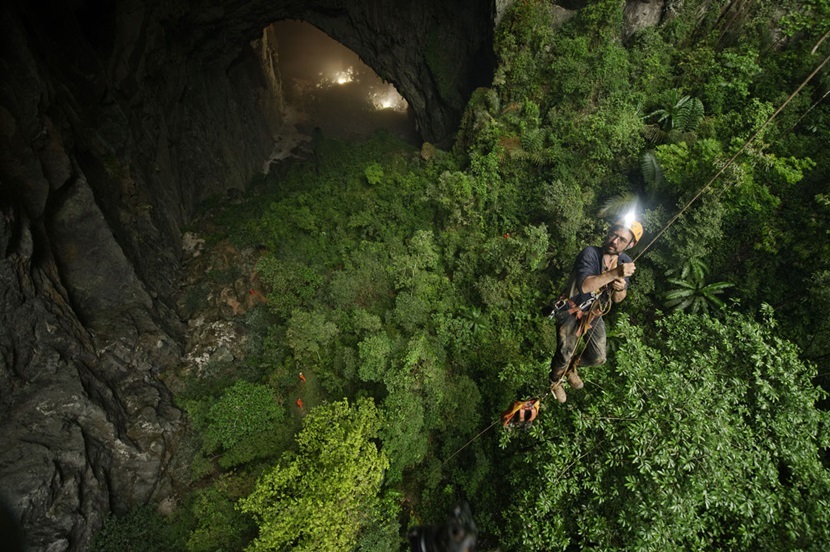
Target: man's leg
[(594, 353), (566, 340)]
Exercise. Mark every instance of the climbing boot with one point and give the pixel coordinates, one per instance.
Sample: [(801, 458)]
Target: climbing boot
[(558, 392), (575, 380)]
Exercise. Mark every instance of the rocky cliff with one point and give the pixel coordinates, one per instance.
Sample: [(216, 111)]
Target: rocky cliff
[(116, 119)]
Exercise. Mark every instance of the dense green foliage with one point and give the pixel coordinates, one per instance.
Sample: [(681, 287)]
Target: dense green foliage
[(408, 289), (702, 436), (136, 532), (321, 497), (245, 423)]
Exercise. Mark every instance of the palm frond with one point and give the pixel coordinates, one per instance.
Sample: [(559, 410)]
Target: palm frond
[(661, 114), (691, 290), (716, 287), (617, 205), (688, 115), (685, 284), (716, 301), (682, 305), (676, 295), (652, 173), (698, 270)]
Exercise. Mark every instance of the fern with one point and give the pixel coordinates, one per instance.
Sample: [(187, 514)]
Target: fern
[(533, 140), (654, 134), (652, 173), (688, 114), (681, 113), (540, 158), (518, 154)]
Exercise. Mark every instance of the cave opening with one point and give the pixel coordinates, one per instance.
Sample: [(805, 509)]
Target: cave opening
[(327, 86)]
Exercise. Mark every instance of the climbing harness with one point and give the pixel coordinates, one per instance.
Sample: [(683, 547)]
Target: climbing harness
[(596, 308)]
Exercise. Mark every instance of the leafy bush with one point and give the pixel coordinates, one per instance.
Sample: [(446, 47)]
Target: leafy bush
[(245, 423), (291, 284), (322, 497), (374, 173), (219, 524), (244, 409), (702, 435), (141, 530), (308, 334)]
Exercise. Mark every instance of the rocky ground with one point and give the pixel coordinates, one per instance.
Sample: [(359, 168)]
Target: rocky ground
[(219, 287)]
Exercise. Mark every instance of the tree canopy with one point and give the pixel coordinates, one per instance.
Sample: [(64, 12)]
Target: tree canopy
[(321, 497), (703, 435)]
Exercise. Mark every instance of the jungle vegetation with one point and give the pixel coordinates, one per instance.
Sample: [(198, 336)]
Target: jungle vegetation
[(408, 286)]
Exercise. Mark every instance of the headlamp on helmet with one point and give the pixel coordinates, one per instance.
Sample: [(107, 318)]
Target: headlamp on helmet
[(630, 223)]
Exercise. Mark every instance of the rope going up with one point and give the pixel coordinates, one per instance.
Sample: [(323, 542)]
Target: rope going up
[(740, 150), (715, 177)]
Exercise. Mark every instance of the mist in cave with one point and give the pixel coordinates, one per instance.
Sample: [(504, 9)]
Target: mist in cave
[(327, 86)]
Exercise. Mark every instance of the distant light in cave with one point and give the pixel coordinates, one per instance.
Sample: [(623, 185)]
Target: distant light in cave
[(388, 99), (331, 88), (380, 95), (344, 77), (338, 77)]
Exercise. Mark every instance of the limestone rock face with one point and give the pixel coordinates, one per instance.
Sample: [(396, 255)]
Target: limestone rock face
[(640, 14), (116, 120), (85, 427)]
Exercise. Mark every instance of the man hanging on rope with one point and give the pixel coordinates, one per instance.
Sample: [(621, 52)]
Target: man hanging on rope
[(599, 278)]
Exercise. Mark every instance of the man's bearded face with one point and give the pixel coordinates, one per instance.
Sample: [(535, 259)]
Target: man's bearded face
[(617, 241)]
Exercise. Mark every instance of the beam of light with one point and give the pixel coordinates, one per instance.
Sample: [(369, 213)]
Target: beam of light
[(629, 217)]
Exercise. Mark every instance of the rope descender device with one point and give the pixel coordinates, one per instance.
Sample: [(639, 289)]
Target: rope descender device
[(520, 414)]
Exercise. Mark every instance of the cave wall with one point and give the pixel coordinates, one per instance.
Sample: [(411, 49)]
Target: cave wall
[(116, 119), (108, 139), (98, 172)]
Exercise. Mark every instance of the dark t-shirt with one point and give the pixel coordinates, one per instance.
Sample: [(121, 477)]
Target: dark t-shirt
[(589, 263)]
